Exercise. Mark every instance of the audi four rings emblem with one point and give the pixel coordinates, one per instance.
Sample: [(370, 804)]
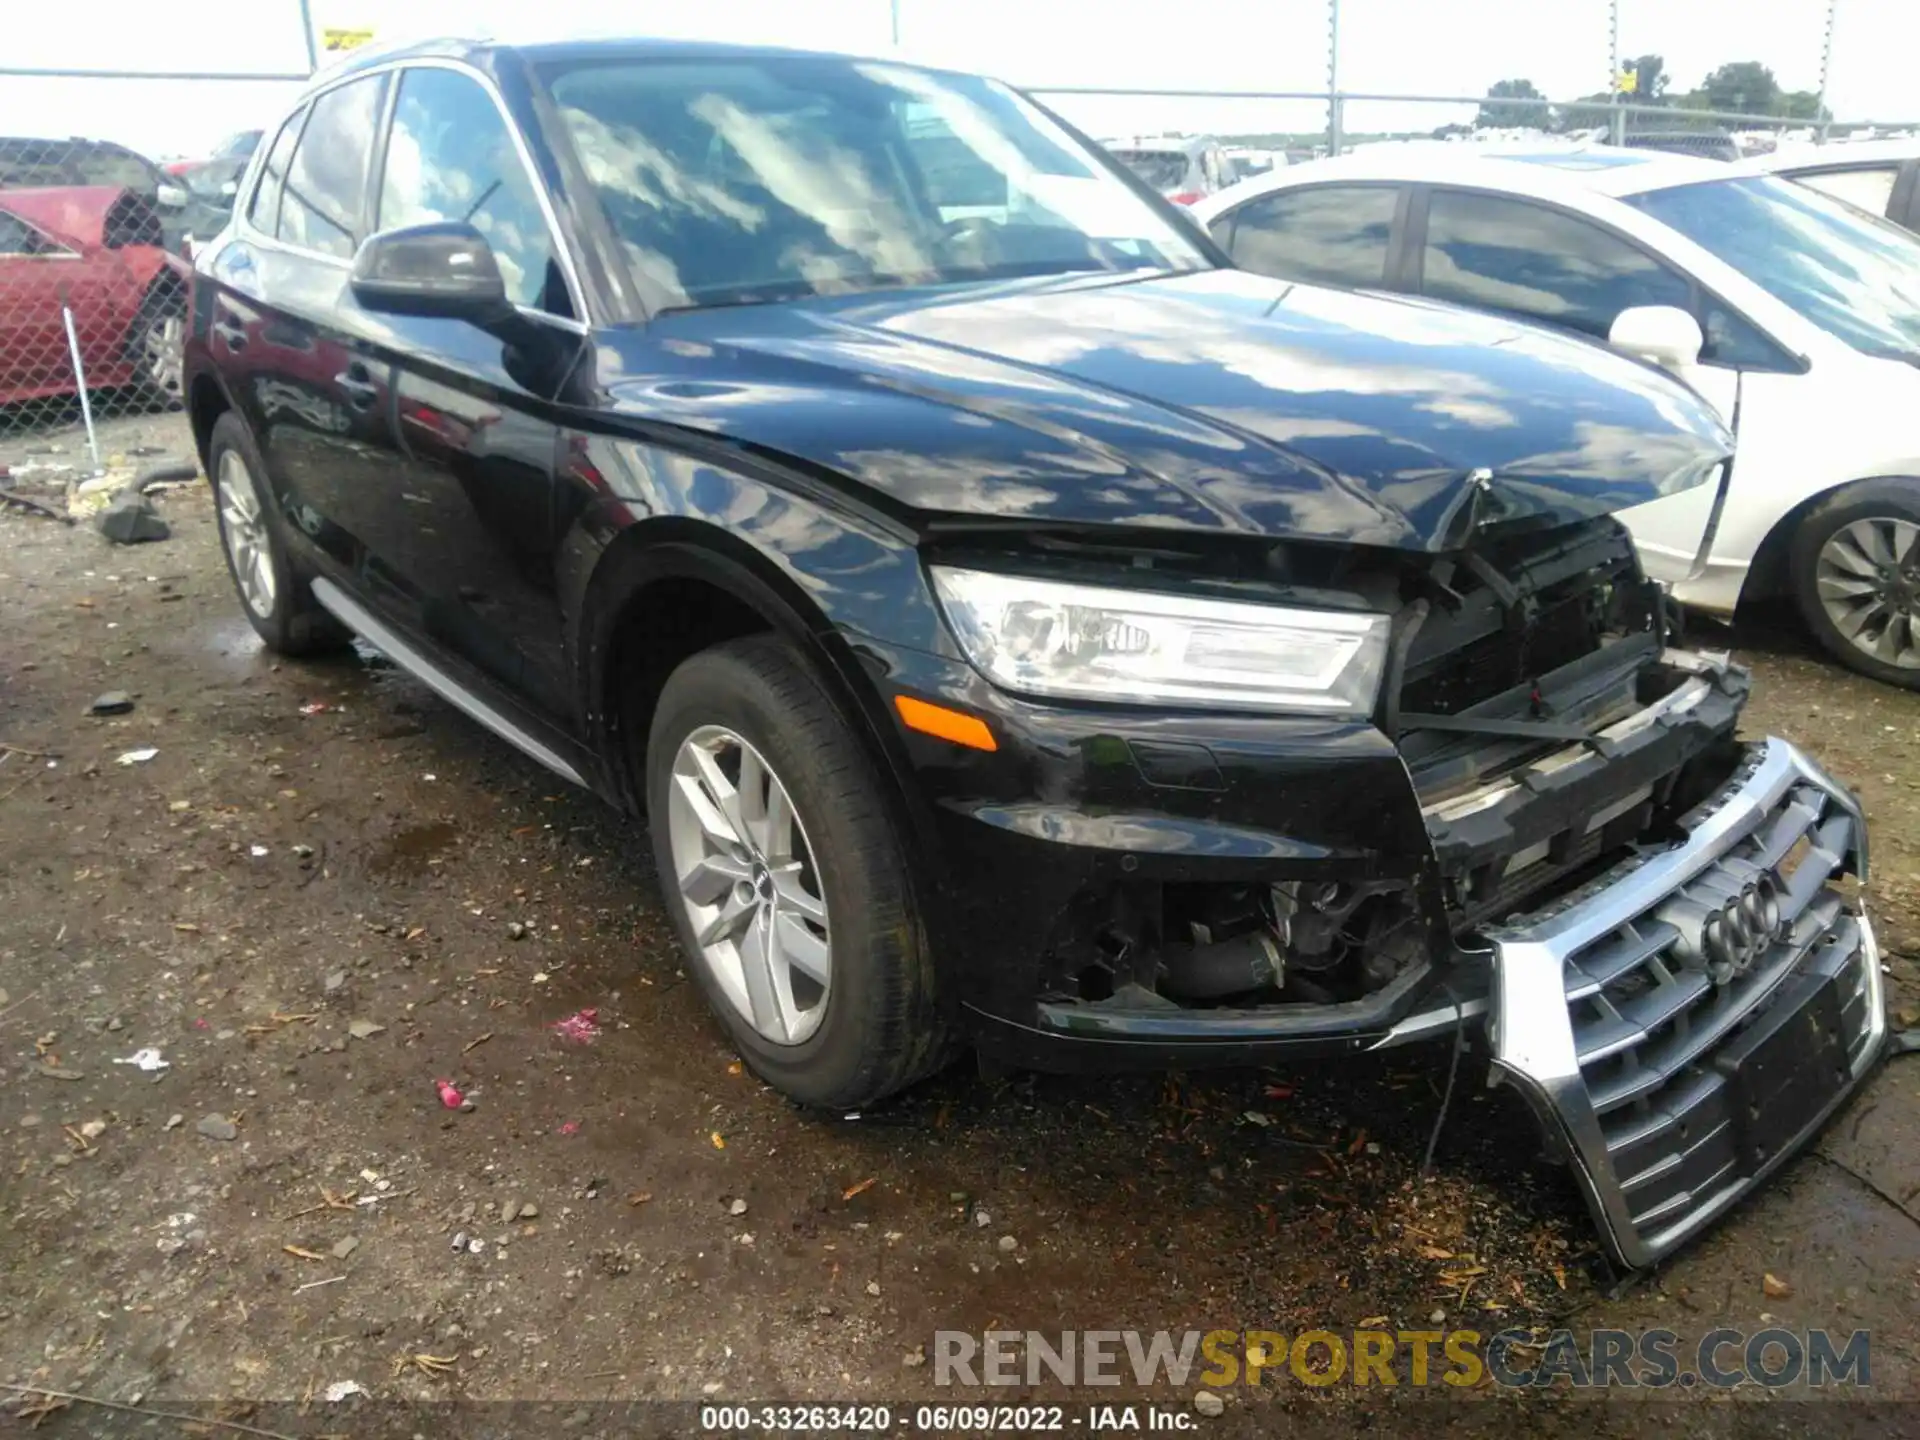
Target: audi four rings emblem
[(1738, 933)]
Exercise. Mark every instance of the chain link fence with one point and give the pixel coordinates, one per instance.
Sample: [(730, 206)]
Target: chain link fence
[(94, 246)]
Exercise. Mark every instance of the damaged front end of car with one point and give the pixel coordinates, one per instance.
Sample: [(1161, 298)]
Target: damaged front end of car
[(1546, 831)]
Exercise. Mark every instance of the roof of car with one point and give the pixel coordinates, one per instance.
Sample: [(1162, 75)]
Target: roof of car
[(1545, 171), (549, 45), (1838, 153)]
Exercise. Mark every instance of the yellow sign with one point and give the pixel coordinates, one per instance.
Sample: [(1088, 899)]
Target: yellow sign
[(344, 39), (1629, 82)]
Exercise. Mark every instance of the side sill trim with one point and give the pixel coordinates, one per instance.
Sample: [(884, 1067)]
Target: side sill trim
[(415, 662)]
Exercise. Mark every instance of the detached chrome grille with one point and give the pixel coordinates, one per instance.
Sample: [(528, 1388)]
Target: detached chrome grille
[(1687, 1020)]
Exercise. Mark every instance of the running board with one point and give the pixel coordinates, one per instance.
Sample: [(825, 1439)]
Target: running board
[(415, 662)]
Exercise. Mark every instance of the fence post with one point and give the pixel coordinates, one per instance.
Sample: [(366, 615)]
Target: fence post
[(1333, 77), (1617, 115), (1826, 59), (306, 31)]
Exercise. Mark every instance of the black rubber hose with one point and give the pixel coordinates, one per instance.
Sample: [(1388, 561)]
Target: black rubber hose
[(1224, 967)]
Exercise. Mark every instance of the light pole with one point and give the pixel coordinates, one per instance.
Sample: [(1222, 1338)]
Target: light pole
[(1826, 59)]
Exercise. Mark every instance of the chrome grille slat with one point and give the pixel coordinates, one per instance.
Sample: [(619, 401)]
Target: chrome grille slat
[(1608, 962), (1669, 1023)]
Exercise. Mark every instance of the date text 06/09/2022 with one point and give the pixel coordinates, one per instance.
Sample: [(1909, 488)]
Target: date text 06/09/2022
[(751, 1419)]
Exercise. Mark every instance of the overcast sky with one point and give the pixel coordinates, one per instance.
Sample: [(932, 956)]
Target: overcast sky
[(1401, 46)]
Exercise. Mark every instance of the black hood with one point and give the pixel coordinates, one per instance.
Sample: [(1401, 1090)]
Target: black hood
[(1213, 401)]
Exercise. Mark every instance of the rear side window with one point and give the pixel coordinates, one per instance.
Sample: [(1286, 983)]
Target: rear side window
[(450, 156), (326, 185), (264, 213), (1329, 235), (1870, 190), (1513, 255)]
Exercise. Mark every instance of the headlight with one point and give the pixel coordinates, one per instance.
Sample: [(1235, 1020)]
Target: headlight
[(1043, 637)]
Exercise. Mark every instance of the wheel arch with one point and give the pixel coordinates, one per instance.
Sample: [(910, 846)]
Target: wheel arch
[(670, 586), (1770, 575)]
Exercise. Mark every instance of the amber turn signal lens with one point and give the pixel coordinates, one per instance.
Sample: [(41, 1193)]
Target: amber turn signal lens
[(945, 724)]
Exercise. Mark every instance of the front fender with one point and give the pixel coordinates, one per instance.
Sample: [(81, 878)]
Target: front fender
[(635, 513)]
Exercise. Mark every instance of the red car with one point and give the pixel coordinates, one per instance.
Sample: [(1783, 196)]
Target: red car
[(98, 250)]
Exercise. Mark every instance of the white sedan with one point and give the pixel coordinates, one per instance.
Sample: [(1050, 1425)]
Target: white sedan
[(1797, 316), (1882, 177)]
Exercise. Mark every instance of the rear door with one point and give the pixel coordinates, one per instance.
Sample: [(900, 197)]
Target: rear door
[(1539, 262), (33, 342), (470, 520), (314, 388)]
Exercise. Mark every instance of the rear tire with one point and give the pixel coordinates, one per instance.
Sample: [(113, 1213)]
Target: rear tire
[(1855, 562), (746, 719), (274, 597)]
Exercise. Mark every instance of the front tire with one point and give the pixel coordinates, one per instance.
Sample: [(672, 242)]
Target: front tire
[(784, 875), (275, 598), (1856, 576)]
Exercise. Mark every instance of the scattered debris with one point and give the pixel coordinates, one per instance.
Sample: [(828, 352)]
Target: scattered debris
[(295, 1250), (459, 1242), (859, 1188), (365, 1029), (137, 757), (113, 702), (343, 1248), (476, 1042), (736, 1206), (580, 1028), (529, 1211), (425, 1364), (340, 1389), (257, 851), (130, 519), (449, 1097), (508, 1211), (570, 1127), (93, 1129), (218, 1127), (60, 1072), (982, 1218), (639, 1197), (316, 1284), (516, 931), (147, 1059), (1209, 1404), (315, 707), (1774, 1287), (174, 1121), (719, 1140), (1009, 1244)]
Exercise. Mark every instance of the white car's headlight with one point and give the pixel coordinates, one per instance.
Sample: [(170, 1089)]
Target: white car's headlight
[(1044, 637)]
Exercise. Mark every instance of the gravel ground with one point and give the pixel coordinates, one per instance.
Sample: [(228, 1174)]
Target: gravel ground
[(327, 891)]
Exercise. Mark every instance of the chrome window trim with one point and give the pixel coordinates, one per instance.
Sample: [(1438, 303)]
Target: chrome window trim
[(576, 294)]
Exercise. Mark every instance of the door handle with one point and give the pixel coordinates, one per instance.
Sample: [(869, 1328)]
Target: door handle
[(359, 385)]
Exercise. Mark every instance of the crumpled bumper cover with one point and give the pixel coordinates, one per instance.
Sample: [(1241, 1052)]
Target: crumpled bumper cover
[(1679, 1058)]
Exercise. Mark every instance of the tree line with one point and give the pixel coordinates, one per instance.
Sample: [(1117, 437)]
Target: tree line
[(1743, 87)]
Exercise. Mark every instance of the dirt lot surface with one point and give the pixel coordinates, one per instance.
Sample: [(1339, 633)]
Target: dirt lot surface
[(326, 891)]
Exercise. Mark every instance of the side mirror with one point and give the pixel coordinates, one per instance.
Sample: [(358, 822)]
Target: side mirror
[(1663, 335), (444, 269)]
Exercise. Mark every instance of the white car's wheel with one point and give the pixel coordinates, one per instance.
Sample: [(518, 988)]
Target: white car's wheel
[(1856, 575)]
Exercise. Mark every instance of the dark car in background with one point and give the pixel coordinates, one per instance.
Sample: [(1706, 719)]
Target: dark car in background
[(1016, 626)]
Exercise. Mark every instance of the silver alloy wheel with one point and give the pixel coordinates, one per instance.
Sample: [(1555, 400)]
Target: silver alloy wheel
[(244, 528), (1868, 576), (753, 894), (163, 355)]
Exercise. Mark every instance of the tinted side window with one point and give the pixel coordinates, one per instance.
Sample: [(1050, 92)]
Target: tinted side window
[(16, 238), (264, 212), (1330, 235), (1871, 190), (450, 156), (327, 183), (1513, 255)]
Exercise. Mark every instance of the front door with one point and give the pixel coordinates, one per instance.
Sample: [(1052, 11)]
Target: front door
[(476, 431)]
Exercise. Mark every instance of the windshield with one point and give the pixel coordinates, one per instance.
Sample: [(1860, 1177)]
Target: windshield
[(1162, 169), (735, 181), (1855, 277)]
